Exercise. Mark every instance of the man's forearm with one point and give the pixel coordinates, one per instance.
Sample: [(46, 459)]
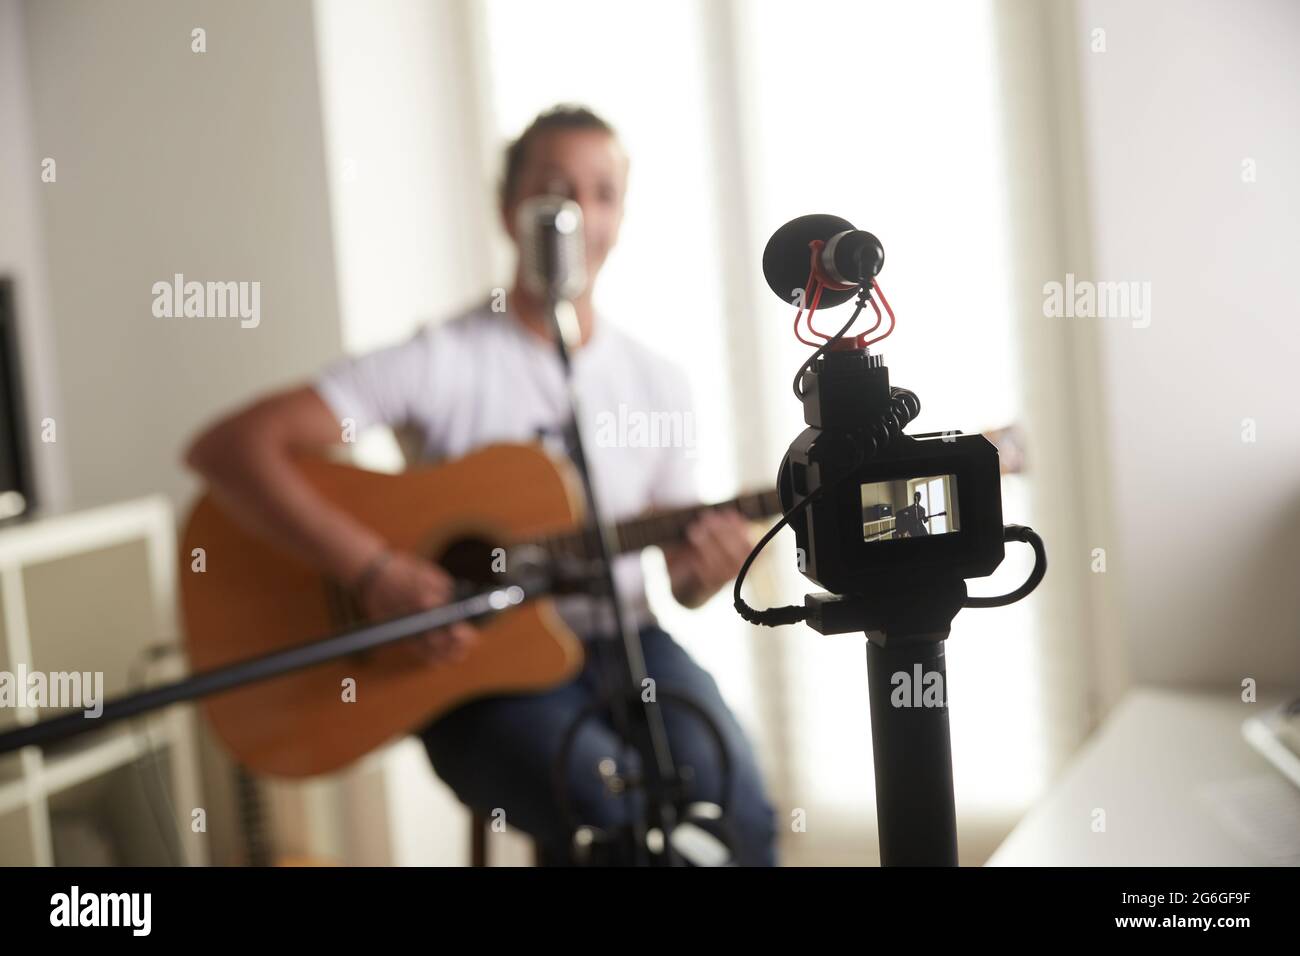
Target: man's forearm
[(262, 489)]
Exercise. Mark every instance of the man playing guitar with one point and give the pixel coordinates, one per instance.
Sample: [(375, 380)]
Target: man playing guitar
[(493, 376)]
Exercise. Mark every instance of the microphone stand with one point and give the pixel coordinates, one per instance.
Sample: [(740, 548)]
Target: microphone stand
[(641, 726), (276, 663)]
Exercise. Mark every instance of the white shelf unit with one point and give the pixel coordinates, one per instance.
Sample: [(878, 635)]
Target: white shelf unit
[(93, 591)]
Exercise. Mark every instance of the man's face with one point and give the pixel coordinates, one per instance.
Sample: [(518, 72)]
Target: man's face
[(587, 166)]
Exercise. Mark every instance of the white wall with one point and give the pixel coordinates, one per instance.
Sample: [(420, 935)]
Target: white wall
[(208, 164), (1208, 525)]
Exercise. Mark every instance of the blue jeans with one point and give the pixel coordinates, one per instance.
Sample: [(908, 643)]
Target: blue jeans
[(500, 753)]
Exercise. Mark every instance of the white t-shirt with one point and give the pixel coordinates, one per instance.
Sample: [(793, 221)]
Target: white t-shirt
[(482, 377)]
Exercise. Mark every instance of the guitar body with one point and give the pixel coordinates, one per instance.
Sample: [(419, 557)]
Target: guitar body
[(252, 598)]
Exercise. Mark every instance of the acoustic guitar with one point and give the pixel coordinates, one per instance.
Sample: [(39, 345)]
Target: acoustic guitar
[(251, 598)]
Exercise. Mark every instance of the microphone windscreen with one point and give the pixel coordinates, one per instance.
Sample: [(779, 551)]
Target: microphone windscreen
[(787, 258)]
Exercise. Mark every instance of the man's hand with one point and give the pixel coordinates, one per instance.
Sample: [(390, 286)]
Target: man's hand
[(716, 545), (406, 583)]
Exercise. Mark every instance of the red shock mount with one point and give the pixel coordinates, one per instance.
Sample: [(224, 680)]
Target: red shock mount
[(818, 281)]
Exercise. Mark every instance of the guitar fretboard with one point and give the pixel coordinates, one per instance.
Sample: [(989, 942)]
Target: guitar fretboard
[(648, 531)]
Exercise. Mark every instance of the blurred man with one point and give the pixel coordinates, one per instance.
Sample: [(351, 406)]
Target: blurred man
[(490, 376)]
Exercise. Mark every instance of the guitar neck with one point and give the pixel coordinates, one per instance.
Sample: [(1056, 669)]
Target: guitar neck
[(660, 528)]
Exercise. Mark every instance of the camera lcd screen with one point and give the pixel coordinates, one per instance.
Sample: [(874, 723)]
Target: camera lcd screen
[(910, 508)]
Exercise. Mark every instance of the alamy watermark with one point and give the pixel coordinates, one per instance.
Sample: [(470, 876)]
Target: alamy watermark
[(633, 428), (129, 910), (57, 689), (208, 300), (1085, 299)]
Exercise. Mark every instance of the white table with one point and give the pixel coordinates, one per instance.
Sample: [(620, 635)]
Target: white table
[(1179, 786)]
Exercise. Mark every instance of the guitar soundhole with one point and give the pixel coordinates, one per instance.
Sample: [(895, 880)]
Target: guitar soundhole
[(474, 562)]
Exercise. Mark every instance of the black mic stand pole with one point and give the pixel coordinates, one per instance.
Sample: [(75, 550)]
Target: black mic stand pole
[(906, 628), (641, 726)]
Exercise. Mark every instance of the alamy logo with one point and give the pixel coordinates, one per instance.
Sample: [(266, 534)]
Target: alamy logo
[(58, 689), (102, 909), (631, 428), (1085, 299), (208, 300), (921, 688)]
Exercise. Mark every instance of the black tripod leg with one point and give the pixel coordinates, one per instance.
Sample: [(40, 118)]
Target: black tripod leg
[(917, 816)]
